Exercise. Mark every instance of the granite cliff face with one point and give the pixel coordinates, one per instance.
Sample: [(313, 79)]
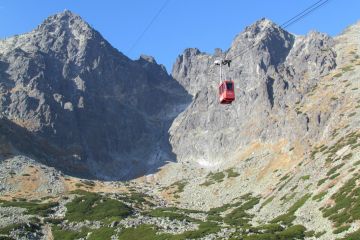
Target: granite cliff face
[(270, 78), (89, 110)]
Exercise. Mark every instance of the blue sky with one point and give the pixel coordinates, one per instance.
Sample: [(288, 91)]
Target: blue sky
[(205, 24)]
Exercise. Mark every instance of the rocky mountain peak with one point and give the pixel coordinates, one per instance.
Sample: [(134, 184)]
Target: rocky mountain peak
[(65, 83), (264, 35), (261, 25), (66, 21), (65, 35)]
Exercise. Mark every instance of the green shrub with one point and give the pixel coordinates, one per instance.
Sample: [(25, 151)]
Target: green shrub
[(319, 196), (293, 232), (6, 238), (42, 209), (205, 228), (217, 177), (351, 170), (341, 229), (213, 178), (352, 114), (321, 181), (319, 234), (60, 234), (309, 234), (207, 183), (267, 201), (347, 68), (334, 169), (180, 186), (231, 173), (6, 230), (334, 176), (289, 217), (284, 184), (270, 228), (287, 198), (306, 177), (148, 232), (352, 236), (92, 206), (347, 203), (102, 233), (284, 177), (239, 216), (355, 145), (261, 236), (356, 163), (347, 156), (143, 232), (55, 221)]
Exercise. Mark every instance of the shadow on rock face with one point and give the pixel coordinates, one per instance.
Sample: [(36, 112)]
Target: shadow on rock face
[(103, 150)]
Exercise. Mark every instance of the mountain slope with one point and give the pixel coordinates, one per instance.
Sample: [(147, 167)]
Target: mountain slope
[(87, 106), (291, 137)]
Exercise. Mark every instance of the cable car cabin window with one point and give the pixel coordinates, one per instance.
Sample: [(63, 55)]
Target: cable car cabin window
[(229, 86)]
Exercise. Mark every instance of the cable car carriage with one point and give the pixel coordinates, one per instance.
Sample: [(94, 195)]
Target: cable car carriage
[(226, 87), (226, 92)]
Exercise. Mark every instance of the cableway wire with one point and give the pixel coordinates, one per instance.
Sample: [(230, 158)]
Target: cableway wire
[(148, 26), (283, 25), (304, 14), (289, 22)]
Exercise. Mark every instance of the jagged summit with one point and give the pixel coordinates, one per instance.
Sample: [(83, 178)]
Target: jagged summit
[(262, 25), (68, 29), (65, 20), (263, 34), (260, 29), (65, 34)]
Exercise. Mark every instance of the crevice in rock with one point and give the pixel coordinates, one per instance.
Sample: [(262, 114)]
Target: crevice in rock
[(270, 90)]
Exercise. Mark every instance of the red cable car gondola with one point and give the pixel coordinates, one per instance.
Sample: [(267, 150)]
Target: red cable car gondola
[(226, 87), (226, 92)]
